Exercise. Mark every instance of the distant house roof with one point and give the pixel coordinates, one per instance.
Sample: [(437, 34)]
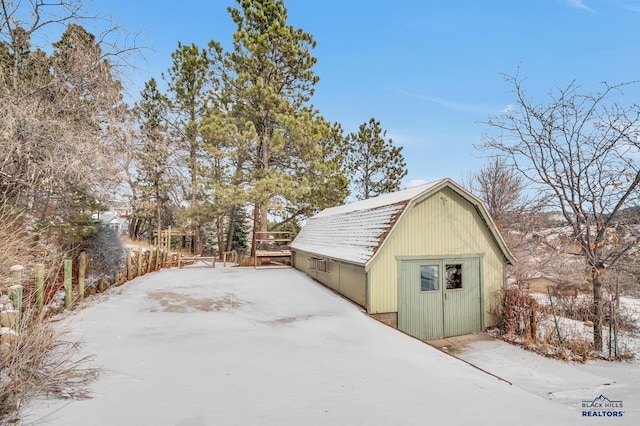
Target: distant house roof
[(354, 232)]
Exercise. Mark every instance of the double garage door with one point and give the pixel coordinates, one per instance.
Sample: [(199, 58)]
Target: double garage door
[(439, 297)]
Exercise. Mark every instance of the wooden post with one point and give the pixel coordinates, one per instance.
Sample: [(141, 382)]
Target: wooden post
[(129, 265), (169, 238), (534, 321), (15, 291), (101, 282), (149, 259), (156, 252), (139, 262), (39, 286), (82, 269), (67, 284)]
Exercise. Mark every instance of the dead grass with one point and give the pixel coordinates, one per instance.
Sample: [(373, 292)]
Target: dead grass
[(38, 360)]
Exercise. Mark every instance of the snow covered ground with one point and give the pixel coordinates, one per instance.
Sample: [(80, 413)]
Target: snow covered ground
[(232, 346)]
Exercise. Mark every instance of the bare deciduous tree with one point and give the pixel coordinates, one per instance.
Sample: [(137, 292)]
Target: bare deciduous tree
[(55, 150), (582, 150)]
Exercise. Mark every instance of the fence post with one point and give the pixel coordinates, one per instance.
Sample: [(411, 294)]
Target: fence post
[(140, 258), (555, 319), (158, 259), (129, 265), (67, 284), (82, 268), (534, 321), (15, 291), (39, 286)]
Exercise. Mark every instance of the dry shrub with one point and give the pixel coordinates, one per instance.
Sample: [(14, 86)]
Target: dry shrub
[(525, 322), (14, 240), (575, 307), (38, 360), (574, 346), (515, 313), (106, 253), (579, 346)]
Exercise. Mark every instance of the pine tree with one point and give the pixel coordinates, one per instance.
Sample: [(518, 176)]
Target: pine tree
[(268, 80), (155, 159), (374, 165), (191, 88), (240, 234)]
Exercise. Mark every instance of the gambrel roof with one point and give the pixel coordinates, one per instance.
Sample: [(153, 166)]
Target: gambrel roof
[(354, 232)]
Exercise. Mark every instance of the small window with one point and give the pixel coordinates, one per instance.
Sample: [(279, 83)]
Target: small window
[(319, 265), (429, 278), (454, 276)]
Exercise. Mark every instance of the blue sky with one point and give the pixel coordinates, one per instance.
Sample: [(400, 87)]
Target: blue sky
[(430, 71)]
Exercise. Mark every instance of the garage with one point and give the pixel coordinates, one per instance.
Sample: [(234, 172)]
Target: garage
[(427, 260)]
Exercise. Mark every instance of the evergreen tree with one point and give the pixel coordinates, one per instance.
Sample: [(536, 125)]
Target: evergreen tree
[(374, 165), (191, 89), (155, 157), (240, 235), (268, 80)]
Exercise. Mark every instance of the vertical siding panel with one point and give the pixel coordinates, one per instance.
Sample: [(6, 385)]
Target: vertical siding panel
[(353, 284)]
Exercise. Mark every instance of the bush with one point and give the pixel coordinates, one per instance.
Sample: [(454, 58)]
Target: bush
[(105, 252)]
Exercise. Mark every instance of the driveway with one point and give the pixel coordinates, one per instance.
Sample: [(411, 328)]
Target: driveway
[(238, 346)]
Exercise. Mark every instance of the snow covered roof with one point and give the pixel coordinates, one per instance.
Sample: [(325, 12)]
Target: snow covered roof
[(381, 200), (353, 232)]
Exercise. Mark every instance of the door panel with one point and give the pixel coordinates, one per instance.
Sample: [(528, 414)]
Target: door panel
[(439, 298), (462, 297), (420, 299)]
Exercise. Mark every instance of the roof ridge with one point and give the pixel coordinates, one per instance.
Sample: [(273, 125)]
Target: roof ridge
[(382, 200)]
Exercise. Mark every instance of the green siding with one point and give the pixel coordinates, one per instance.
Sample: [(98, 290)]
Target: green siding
[(443, 225), (348, 280)]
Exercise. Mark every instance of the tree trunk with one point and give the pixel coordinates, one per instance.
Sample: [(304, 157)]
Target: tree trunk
[(197, 247), (158, 220), (220, 235), (597, 308), (260, 211), (232, 228), (256, 226)]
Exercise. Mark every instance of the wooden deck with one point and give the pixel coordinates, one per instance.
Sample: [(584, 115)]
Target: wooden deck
[(273, 245), (273, 253)]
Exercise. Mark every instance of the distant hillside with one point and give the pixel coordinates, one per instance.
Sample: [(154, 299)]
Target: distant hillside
[(555, 218)]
